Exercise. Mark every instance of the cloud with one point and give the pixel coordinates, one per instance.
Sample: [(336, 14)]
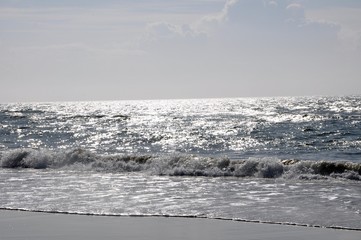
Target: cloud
[(280, 20), (347, 19), (204, 26), (242, 17), (249, 41), (295, 11), (165, 30), (207, 23)]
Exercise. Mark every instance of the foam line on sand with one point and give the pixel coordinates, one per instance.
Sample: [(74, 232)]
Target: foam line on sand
[(38, 226)]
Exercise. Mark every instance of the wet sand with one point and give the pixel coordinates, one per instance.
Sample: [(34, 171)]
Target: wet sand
[(38, 226)]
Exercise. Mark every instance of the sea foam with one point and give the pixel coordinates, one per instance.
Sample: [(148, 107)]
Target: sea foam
[(180, 165)]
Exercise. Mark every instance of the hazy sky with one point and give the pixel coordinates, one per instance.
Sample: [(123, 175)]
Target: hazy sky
[(152, 49)]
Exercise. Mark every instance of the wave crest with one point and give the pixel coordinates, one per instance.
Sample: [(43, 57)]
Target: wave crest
[(180, 165)]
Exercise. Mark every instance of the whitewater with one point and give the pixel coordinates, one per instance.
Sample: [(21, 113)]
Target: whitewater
[(285, 160)]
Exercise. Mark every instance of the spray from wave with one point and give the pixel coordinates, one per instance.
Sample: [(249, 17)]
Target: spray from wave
[(180, 165)]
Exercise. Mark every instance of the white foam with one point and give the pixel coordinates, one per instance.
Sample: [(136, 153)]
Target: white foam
[(180, 165)]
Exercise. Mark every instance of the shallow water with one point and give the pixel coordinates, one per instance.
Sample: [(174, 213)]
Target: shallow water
[(320, 203)]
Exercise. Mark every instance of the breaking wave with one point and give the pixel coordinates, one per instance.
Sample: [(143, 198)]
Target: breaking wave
[(180, 165)]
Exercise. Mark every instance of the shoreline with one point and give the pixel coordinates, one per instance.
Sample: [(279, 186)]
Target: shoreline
[(183, 217), (21, 224)]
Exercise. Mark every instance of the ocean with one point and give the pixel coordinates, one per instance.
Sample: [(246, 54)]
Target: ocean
[(285, 160)]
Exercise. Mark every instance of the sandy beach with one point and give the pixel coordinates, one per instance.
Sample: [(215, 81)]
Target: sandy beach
[(37, 226)]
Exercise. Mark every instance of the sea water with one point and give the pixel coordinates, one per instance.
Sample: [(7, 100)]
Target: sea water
[(290, 160)]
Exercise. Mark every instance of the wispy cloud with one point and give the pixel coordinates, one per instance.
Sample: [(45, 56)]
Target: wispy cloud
[(347, 19), (246, 17)]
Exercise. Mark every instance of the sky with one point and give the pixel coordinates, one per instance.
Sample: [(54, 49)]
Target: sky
[(74, 50)]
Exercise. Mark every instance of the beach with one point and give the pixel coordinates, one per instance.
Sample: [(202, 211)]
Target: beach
[(37, 226), (203, 119)]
